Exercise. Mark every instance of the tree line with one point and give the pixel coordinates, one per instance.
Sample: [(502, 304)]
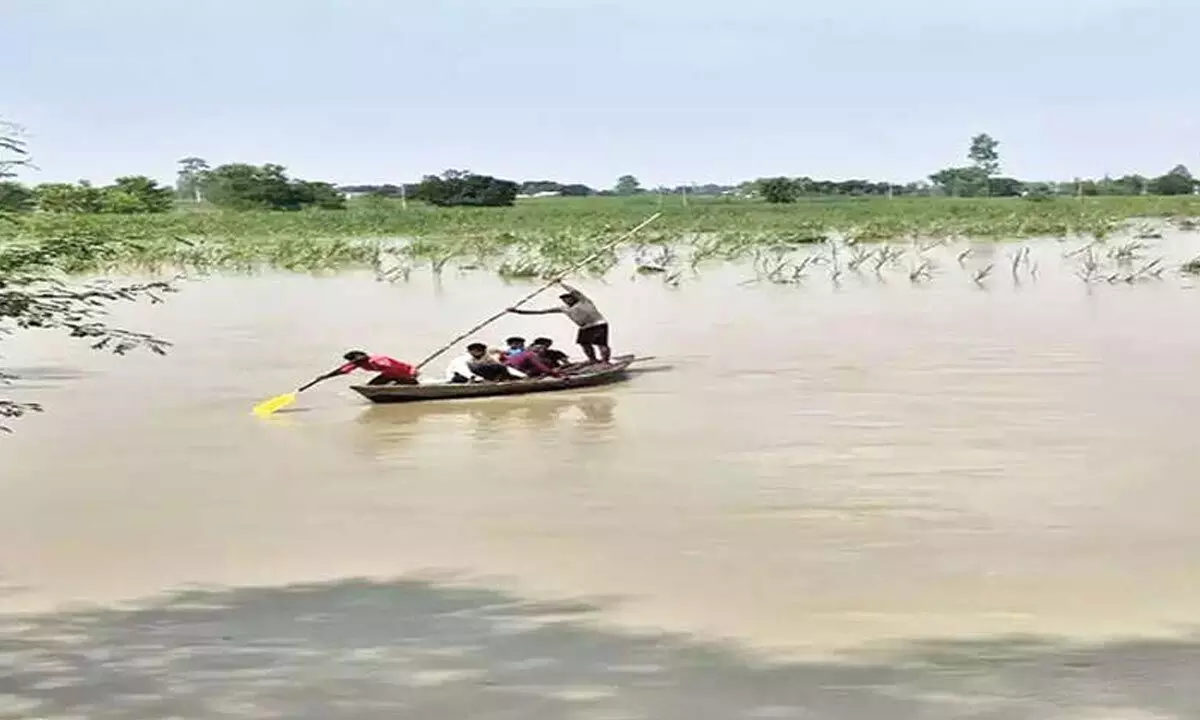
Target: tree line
[(979, 178), (240, 186), (126, 195), (236, 186)]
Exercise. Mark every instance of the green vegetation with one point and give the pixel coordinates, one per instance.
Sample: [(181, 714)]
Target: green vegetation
[(457, 188), (242, 216), (535, 236), (39, 289), (250, 187), (236, 186), (125, 196), (867, 218)]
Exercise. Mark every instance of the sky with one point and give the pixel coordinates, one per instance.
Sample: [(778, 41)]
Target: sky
[(671, 91)]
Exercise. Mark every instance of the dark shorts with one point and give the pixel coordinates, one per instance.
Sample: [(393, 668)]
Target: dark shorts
[(392, 380), (594, 335), (491, 371)]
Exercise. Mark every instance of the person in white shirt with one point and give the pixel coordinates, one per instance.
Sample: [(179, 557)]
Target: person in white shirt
[(593, 327), (478, 365)]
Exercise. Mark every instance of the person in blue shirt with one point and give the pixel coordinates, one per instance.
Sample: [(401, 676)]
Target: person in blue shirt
[(516, 346)]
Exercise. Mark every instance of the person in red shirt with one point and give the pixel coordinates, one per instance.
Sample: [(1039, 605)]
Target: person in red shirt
[(391, 371), (529, 361)]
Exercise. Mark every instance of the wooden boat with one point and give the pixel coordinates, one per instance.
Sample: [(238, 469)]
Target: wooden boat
[(577, 376)]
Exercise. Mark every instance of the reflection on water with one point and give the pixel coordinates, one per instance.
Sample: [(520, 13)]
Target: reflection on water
[(490, 414), (389, 427), (813, 468)]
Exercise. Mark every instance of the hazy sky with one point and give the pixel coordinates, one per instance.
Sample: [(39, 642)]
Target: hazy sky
[(672, 91)]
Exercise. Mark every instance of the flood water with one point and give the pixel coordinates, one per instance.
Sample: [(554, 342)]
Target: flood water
[(802, 471)]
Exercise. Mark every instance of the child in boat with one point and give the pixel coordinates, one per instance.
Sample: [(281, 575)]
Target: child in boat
[(391, 371), (515, 346)]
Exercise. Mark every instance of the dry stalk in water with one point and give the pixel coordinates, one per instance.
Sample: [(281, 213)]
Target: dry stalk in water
[(1020, 256), (858, 256), (1126, 252), (1153, 269), (887, 254), (921, 272), (1090, 267), (981, 275), (835, 271), (1080, 251)]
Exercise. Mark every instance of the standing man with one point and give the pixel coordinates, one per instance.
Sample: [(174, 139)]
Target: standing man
[(593, 327)]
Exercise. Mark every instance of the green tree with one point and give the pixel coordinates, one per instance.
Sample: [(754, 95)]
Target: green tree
[(70, 198), (1132, 185), (627, 185), (89, 197), (1040, 192), (778, 189), (16, 198), (239, 186), (39, 289), (127, 195), (961, 181), (55, 197), (458, 187), (984, 154), (576, 190), (1005, 187), (319, 194), (189, 184), (144, 194), (1178, 181), (1125, 185)]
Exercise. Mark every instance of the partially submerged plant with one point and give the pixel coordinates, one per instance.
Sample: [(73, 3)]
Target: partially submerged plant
[(1127, 251), (982, 274), (921, 271)]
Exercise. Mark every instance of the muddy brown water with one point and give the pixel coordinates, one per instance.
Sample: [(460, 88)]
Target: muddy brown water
[(808, 469)]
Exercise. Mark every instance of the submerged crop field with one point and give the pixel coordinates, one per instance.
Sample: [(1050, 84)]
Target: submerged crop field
[(536, 236), (866, 218)]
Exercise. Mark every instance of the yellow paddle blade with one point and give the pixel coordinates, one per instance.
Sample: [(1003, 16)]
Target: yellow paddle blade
[(267, 407)]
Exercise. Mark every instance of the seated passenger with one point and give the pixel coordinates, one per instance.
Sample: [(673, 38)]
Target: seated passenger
[(516, 346), (479, 365), (553, 358), (530, 363)]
